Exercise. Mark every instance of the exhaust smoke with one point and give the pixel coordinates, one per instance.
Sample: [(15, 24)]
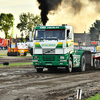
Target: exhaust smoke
[(46, 6), (81, 14)]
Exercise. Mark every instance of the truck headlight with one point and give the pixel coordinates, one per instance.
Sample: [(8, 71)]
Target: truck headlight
[(62, 57), (35, 57)]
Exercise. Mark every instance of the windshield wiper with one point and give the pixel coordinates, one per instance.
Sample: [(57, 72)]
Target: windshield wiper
[(39, 38), (52, 38)]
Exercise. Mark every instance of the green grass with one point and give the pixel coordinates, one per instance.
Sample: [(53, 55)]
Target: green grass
[(16, 64), (96, 97), (3, 54)]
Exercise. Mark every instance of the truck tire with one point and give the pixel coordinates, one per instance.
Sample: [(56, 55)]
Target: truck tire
[(83, 64), (31, 51), (95, 63), (39, 70), (18, 54), (7, 53), (70, 66), (25, 53)]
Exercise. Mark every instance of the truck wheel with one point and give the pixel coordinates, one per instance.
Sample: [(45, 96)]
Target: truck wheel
[(31, 51), (39, 70), (96, 63), (25, 53), (7, 53), (83, 64), (18, 54), (70, 66)]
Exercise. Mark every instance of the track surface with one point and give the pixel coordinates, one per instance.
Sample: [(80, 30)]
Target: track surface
[(12, 59), (24, 83)]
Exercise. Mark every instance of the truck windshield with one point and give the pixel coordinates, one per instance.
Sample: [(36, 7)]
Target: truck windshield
[(51, 34)]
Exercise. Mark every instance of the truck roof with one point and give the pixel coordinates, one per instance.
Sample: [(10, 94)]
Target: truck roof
[(50, 27)]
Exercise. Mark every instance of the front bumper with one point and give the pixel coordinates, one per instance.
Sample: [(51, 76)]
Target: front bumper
[(50, 60)]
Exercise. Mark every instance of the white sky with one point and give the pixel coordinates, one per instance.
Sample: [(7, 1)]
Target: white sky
[(81, 22), (16, 7)]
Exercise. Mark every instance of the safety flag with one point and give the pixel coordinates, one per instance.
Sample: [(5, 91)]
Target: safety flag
[(10, 45), (12, 28), (16, 44)]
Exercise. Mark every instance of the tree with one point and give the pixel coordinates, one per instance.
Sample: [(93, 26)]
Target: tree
[(97, 24), (94, 31), (22, 37), (28, 22), (6, 22)]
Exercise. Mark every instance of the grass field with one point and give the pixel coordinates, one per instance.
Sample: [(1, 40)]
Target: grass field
[(3, 52), (96, 97)]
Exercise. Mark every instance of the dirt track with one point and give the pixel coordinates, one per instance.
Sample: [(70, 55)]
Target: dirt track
[(24, 83), (15, 59)]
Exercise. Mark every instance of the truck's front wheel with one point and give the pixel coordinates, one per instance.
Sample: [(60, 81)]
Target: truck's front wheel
[(70, 66), (39, 70)]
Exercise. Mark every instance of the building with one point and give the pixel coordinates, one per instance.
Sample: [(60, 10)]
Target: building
[(84, 38)]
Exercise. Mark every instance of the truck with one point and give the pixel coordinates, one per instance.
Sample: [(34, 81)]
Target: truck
[(20, 50), (53, 48), (17, 49)]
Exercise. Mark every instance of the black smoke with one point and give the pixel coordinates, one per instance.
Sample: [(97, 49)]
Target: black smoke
[(46, 6), (76, 6)]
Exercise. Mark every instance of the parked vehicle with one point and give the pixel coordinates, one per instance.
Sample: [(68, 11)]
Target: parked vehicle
[(17, 49), (4, 43)]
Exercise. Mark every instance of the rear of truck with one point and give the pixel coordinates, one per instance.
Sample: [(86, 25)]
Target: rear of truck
[(21, 49)]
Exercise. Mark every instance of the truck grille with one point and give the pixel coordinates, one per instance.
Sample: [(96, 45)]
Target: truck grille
[(48, 58), (48, 51)]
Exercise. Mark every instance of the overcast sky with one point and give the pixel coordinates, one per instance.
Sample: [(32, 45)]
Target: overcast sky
[(16, 7), (65, 13)]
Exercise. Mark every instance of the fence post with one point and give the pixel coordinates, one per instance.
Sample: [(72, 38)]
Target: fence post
[(79, 93)]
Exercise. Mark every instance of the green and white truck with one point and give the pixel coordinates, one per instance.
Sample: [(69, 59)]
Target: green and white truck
[(53, 48)]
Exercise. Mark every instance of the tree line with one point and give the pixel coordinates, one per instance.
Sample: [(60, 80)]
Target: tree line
[(28, 22), (95, 31)]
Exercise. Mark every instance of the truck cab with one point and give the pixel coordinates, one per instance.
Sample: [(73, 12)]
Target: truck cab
[(53, 47)]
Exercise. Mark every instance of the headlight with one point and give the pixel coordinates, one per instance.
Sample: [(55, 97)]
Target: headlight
[(35, 57), (62, 57)]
